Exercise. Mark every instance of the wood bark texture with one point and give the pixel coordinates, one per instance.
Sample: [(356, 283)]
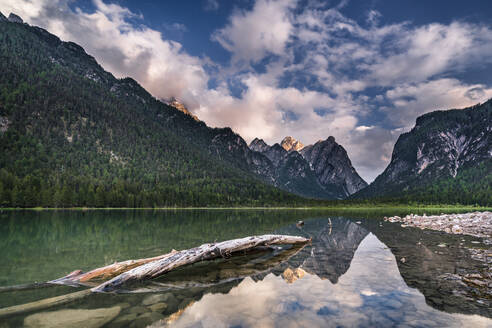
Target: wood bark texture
[(204, 252)]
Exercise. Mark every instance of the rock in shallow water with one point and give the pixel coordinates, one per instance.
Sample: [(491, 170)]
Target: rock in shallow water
[(72, 318)]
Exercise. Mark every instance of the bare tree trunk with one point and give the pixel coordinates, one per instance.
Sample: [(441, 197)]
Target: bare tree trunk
[(102, 274), (148, 268), (193, 255)]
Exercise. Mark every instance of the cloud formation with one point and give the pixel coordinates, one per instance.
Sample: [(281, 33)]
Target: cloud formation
[(302, 70)]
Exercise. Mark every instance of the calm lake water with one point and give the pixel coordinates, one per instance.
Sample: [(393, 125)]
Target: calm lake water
[(358, 272)]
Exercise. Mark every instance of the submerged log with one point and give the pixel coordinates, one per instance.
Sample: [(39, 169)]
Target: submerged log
[(204, 252), (148, 268), (43, 304)]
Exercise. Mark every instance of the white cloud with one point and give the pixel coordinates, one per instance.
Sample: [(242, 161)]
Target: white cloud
[(412, 100), (424, 52), (250, 35)]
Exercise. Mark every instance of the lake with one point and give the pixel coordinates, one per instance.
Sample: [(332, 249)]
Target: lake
[(359, 271)]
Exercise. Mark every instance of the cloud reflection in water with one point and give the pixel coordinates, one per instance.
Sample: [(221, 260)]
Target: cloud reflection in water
[(370, 293)]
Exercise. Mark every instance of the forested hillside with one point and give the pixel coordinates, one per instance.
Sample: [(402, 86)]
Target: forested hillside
[(72, 134)]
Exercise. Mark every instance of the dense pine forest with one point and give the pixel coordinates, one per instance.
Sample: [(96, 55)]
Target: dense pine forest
[(73, 135)]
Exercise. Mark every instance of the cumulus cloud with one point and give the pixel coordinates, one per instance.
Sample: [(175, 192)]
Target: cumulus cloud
[(409, 101), (322, 73), (250, 35)]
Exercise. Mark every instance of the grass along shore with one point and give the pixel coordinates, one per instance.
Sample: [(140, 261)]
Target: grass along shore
[(343, 207)]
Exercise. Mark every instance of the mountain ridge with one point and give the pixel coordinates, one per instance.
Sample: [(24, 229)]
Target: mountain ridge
[(446, 156), (325, 165)]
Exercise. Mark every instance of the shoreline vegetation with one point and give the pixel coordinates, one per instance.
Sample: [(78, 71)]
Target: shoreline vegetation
[(346, 207)]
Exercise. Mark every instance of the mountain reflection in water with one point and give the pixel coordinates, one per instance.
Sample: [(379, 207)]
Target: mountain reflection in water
[(356, 273), (371, 293)]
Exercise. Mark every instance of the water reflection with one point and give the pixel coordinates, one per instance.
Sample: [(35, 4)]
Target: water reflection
[(371, 293), (434, 263), (353, 273), (334, 242)]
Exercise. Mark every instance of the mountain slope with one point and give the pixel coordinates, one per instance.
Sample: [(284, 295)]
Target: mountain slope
[(322, 170), (333, 166), (71, 134), (446, 157)]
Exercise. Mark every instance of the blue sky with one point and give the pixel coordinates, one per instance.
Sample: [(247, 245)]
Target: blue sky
[(361, 71)]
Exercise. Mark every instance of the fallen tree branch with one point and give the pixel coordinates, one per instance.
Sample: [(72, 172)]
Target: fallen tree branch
[(34, 285), (204, 252), (79, 278), (43, 304), (148, 268), (102, 274)]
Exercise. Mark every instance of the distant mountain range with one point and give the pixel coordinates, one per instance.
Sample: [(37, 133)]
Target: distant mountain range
[(71, 134)]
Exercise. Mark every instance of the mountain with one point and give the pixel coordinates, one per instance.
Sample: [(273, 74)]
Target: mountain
[(333, 166), (322, 170), (71, 134), (291, 144), (446, 157)]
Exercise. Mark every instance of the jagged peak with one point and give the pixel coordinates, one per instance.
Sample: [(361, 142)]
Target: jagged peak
[(258, 145), (291, 144), (258, 141), (2, 17), (13, 18)]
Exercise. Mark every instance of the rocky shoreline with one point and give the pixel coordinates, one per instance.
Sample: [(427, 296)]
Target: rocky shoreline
[(478, 224)]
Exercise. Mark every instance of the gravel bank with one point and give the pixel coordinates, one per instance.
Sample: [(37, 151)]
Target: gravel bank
[(478, 224)]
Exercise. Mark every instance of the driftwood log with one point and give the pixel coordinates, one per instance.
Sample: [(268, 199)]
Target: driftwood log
[(143, 269), (201, 253), (78, 277), (43, 304)]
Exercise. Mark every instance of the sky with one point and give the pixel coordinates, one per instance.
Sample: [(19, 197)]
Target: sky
[(361, 71)]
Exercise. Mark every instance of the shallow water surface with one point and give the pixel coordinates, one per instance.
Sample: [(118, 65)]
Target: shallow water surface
[(359, 271)]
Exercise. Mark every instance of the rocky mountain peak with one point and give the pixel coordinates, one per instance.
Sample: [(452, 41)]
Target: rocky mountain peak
[(13, 18), (322, 170), (259, 145), (2, 17), (174, 102), (332, 165), (291, 144)]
